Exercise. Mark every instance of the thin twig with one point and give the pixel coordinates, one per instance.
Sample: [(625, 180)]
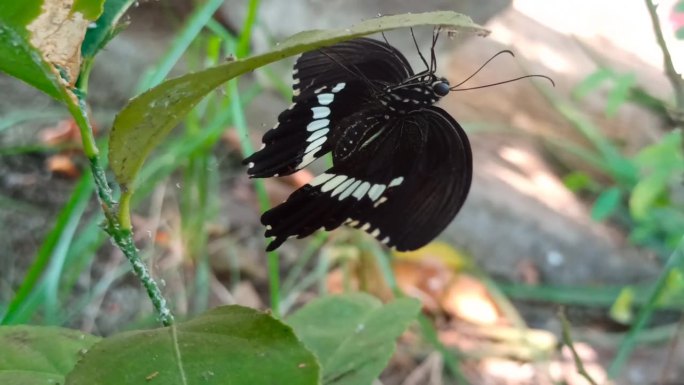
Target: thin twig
[(670, 71), (567, 341)]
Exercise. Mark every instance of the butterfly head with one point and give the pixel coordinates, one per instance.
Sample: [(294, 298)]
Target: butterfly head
[(440, 87)]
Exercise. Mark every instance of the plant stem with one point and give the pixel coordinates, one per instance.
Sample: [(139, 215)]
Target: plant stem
[(675, 261), (122, 236), (670, 71)]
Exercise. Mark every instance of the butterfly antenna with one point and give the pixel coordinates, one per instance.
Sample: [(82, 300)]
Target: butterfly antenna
[(483, 66), (385, 38), (507, 81), (433, 57), (415, 42)]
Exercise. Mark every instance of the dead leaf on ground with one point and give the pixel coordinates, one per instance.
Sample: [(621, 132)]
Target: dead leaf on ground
[(468, 299), (62, 165)]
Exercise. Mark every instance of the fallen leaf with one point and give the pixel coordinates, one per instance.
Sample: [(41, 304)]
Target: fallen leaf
[(441, 251), (468, 299), (62, 165)]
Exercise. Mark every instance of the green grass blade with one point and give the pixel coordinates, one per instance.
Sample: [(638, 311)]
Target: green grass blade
[(197, 21), (51, 251), (676, 261), (242, 48)]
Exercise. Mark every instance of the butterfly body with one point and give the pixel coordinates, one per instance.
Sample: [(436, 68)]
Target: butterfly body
[(401, 166)]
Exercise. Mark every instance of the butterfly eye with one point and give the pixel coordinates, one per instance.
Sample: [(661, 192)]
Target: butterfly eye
[(440, 88)]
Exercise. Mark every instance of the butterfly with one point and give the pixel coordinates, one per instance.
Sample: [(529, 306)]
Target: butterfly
[(401, 166)]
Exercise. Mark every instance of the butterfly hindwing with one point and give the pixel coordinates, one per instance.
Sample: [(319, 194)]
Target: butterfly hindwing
[(403, 183)]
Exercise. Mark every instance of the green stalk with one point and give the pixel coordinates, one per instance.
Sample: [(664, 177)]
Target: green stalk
[(122, 236), (675, 261), (262, 196)]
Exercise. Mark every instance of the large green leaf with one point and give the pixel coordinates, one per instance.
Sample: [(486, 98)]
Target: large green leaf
[(149, 117), (226, 345), (104, 28), (40, 355), (40, 41), (353, 335)]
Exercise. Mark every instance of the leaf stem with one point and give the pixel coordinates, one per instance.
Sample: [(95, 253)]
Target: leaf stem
[(120, 232)]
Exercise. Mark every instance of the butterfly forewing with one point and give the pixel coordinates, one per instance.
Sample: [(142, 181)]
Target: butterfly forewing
[(329, 85), (403, 186)]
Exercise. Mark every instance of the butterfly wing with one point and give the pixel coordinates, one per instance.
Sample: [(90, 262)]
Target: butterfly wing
[(329, 84), (361, 58), (404, 183)]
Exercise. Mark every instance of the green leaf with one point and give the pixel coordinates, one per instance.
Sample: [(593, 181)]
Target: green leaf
[(592, 82), (32, 51), (226, 345), (679, 33), (91, 9), (577, 181), (620, 93), (149, 117), (621, 310), (353, 335), (105, 27), (667, 154), (606, 204), (40, 355), (646, 192)]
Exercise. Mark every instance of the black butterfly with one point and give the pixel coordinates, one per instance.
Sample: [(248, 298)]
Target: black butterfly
[(402, 167)]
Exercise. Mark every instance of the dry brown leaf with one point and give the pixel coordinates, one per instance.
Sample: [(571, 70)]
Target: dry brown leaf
[(467, 298), (62, 165), (64, 132), (424, 280), (58, 34)]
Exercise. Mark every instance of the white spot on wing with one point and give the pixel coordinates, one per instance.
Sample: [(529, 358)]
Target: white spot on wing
[(339, 87), (380, 201), (325, 99), (375, 233), (350, 190), (361, 190), (295, 81), (317, 134), (396, 181), (376, 191), (366, 226), (308, 158), (353, 223), (250, 165), (320, 112), (321, 179), (334, 182), (342, 187), (386, 240), (317, 143), (317, 124)]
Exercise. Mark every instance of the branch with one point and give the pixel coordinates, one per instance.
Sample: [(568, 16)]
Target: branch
[(674, 77)]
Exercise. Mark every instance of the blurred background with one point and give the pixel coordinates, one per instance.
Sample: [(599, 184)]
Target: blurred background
[(576, 205)]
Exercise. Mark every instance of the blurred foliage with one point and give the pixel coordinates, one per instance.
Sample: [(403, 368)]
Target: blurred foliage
[(645, 192)]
